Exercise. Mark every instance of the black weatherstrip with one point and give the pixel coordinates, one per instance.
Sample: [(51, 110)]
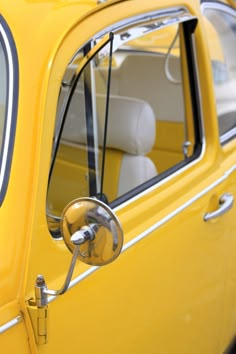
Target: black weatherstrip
[(89, 126), (189, 28)]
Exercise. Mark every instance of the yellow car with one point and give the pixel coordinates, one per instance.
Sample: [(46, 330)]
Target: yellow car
[(117, 177)]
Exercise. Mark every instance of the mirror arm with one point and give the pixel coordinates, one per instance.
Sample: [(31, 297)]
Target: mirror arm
[(68, 277), (85, 234), (41, 290)]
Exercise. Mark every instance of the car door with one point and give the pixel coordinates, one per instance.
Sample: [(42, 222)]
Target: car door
[(222, 18), (133, 129)]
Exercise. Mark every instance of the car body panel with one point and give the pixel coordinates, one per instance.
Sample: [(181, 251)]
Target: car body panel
[(173, 284)]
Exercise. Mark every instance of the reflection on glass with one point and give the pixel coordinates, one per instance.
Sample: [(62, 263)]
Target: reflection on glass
[(221, 32)]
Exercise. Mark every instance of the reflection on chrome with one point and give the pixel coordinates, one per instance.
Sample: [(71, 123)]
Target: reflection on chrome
[(92, 225)]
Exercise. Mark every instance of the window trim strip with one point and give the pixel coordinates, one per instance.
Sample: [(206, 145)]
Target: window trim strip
[(10, 324)]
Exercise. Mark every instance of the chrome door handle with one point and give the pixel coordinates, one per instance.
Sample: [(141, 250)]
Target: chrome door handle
[(225, 203)]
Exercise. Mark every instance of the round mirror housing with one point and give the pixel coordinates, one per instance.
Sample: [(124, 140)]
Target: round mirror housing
[(92, 226)]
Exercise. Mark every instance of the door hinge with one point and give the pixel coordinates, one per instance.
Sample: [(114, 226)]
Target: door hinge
[(39, 319)]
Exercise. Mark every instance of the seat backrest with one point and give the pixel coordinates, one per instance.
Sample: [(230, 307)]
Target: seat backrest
[(143, 76), (131, 131)]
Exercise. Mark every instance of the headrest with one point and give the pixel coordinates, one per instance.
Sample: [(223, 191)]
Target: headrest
[(131, 123), (152, 85)]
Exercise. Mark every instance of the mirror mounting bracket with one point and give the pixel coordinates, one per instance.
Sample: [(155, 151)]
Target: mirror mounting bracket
[(41, 290)]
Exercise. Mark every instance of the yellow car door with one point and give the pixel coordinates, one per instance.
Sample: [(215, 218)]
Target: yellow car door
[(130, 115), (222, 20)]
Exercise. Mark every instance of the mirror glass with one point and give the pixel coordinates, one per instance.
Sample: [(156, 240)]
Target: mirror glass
[(92, 214)]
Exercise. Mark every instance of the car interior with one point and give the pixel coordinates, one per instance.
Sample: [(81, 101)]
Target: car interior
[(146, 128)]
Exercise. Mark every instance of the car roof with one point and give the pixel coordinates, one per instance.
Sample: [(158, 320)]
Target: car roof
[(48, 19)]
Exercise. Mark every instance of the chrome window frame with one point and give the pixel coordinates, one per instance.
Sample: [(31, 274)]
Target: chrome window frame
[(12, 79), (169, 15), (172, 15), (217, 5)]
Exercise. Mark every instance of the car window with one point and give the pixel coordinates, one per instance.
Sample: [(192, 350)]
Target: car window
[(126, 124), (221, 31), (8, 102)]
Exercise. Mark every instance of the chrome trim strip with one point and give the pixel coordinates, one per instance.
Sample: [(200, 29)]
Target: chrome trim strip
[(6, 141), (178, 210), (155, 226), (77, 280), (172, 12), (228, 135), (10, 324)]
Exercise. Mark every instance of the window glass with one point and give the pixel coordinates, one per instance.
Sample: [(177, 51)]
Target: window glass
[(221, 30), (125, 121), (3, 91)]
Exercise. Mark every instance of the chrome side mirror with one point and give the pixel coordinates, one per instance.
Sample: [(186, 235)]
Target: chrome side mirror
[(90, 225), (92, 232)]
